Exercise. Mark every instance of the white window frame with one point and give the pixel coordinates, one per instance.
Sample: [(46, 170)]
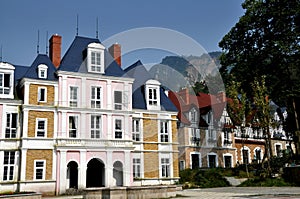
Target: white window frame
[(3, 88), (9, 166), (95, 101), (195, 136), (118, 131), (42, 71), (136, 129), (94, 128), (9, 127), (76, 129), (249, 154), (229, 155), (137, 167), (165, 166), (72, 101), (39, 94), (216, 159), (97, 49), (43, 169), (37, 127), (164, 131), (152, 98), (193, 116), (191, 159), (181, 165), (276, 152), (118, 105)]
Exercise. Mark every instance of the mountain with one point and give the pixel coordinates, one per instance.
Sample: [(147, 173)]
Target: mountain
[(176, 72)]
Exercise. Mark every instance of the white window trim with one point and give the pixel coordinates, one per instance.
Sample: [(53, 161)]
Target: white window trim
[(71, 100), (36, 126), (279, 144), (216, 159), (134, 129), (167, 156), (122, 128), (39, 94), (200, 160), (137, 164), (168, 129), (95, 47), (249, 154), (100, 128), (43, 67), (44, 169), (9, 165), (10, 123), (96, 100), (152, 84), (227, 154), (77, 124), (261, 153), (117, 103), (183, 165)]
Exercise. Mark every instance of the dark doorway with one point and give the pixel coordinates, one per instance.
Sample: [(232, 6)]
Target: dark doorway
[(245, 156), (195, 161), (72, 174), (227, 160), (95, 175), (118, 173), (212, 161)]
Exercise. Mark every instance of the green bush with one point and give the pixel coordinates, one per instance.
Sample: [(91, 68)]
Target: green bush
[(265, 182), (203, 178)]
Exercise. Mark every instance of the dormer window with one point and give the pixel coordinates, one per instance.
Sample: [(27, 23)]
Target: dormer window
[(42, 70), (6, 80), (95, 58), (153, 95)]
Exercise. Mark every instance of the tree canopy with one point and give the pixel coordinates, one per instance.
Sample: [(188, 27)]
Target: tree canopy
[(266, 42)]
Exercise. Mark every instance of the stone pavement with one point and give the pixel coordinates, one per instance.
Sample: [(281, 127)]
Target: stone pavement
[(241, 192)]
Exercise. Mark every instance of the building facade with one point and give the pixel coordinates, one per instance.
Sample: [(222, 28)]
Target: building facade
[(75, 122)]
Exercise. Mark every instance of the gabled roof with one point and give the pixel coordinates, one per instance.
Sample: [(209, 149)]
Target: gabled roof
[(141, 76), (32, 71), (73, 60)]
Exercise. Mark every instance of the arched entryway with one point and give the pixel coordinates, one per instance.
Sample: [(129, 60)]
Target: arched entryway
[(118, 173), (72, 174), (95, 173)]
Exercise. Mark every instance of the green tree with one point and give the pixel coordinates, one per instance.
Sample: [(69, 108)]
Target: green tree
[(266, 41)]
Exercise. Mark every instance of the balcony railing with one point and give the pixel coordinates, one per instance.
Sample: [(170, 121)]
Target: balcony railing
[(72, 142)]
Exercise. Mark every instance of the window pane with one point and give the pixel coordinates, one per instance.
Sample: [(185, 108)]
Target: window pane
[(6, 80)]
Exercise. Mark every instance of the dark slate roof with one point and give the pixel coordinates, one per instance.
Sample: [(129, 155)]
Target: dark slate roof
[(32, 71), (73, 59), (141, 75), (20, 71)]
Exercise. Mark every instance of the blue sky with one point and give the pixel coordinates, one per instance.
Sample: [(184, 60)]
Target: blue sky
[(205, 21)]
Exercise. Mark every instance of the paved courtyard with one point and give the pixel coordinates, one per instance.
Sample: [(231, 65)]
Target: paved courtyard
[(241, 192)]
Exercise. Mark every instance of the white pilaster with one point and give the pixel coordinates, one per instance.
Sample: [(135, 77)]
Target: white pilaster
[(109, 170), (84, 91), (23, 164), (64, 92), (109, 94), (63, 172), (64, 124), (82, 170), (25, 123), (127, 169)]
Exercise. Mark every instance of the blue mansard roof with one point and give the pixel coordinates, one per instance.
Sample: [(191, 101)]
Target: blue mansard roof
[(73, 60), (141, 76), (32, 71)]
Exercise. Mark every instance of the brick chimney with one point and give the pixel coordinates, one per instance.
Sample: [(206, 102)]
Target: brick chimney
[(55, 49), (115, 51), (185, 95)]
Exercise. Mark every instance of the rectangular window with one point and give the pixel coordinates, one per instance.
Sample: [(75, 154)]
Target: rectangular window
[(4, 83), (42, 94), (41, 127), (96, 97), (164, 133), (11, 125), (136, 130), (73, 126), (39, 169), (193, 116), (95, 126), (118, 100), (211, 135), (8, 165), (181, 165), (118, 129), (153, 96), (73, 96), (165, 167), (136, 167), (195, 136), (95, 61)]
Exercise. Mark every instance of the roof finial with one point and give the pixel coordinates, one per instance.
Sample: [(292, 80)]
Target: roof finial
[(77, 25), (97, 32), (38, 43), (47, 43)]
